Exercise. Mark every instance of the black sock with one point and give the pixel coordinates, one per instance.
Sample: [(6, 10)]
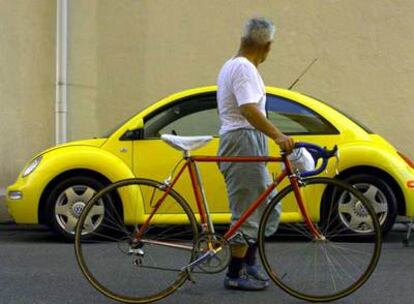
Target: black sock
[(251, 254), (235, 266)]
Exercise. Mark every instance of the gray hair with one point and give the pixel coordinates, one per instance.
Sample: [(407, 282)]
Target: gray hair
[(258, 31)]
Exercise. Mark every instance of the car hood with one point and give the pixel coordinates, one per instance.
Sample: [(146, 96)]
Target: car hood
[(95, 142)]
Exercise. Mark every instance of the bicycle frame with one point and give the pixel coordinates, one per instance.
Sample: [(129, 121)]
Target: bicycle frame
[(202, 206), (344, 265)]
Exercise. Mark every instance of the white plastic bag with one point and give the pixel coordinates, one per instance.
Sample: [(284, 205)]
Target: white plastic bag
[(302, 160)]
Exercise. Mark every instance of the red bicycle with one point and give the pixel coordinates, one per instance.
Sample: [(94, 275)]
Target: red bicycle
[(317, 256)]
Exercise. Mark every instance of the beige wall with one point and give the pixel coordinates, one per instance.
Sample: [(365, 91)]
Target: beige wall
[(126, 54), (27, 76)]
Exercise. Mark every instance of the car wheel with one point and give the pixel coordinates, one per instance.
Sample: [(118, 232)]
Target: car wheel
[(65, 204), (380, 195)]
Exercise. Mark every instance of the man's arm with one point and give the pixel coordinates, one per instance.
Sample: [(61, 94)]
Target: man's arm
[(255, 117)]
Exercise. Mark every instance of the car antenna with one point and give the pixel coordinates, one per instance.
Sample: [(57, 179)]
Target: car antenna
[(303, 73)]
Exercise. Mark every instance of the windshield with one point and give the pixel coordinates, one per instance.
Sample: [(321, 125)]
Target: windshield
[(357, 122)]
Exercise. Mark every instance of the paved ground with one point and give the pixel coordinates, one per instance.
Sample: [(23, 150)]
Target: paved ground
[(38, 268)]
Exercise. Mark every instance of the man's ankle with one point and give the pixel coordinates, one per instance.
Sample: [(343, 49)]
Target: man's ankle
[(235, 267)]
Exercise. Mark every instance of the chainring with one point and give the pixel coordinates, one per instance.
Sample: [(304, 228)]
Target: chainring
[(218, 261)]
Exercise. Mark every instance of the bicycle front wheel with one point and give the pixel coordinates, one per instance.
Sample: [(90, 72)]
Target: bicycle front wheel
[(327, 269), (127, 262)]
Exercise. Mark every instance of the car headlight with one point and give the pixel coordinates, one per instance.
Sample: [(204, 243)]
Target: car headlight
[(32, 166)]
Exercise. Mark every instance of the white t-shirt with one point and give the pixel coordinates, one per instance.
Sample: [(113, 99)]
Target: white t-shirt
[(239, 83)]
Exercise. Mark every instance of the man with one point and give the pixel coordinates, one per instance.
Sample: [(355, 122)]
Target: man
[(241, 101)]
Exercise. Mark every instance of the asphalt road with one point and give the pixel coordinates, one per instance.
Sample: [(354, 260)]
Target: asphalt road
[(38, 268)]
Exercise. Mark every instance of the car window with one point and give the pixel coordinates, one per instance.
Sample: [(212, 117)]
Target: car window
[(295, 119), (356, 121), (190, 117), (198, 116)]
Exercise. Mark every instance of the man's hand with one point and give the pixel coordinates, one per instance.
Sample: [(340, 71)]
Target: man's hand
[(285, 143)]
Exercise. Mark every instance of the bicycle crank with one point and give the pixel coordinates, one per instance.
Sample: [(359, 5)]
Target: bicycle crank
[(212, 253)]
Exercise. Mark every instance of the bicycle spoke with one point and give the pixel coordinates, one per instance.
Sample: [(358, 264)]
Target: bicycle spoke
[(297, 228), (329, 264)]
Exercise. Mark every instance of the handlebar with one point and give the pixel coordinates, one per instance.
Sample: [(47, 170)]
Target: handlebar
[(317, 152)]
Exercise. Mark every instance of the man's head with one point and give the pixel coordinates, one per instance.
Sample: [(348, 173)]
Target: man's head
[(257, 37)]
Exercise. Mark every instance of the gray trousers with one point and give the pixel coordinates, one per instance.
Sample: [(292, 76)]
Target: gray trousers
[(246, 181)]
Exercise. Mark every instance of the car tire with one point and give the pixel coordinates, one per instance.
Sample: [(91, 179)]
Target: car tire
[(378, 192), (66, 202)]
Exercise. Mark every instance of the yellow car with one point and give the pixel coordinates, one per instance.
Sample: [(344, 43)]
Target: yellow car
[(55, 185)]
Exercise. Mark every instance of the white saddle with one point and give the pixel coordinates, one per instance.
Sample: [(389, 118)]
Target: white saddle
[(186, 143)]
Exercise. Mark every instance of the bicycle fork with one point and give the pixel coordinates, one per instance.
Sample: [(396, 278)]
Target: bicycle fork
[(295, 181)]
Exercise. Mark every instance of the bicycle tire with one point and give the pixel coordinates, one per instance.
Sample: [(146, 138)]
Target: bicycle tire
[(288, 270), (131, 272)]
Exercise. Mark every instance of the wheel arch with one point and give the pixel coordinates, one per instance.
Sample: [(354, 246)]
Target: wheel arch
[(401, 203), (42, 212)]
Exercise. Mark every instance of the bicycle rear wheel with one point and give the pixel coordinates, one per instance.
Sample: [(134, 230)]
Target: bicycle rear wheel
[(133, 269), (321, 270)]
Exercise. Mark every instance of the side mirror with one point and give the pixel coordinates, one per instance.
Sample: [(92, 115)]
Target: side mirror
[(136, 131), (133, 134)]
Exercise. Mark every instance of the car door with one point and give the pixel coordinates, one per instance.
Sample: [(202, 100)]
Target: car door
[(191, 116), (303, 124)]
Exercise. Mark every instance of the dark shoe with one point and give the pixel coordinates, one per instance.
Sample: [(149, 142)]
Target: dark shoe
[(244, 283), (257, 272)]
